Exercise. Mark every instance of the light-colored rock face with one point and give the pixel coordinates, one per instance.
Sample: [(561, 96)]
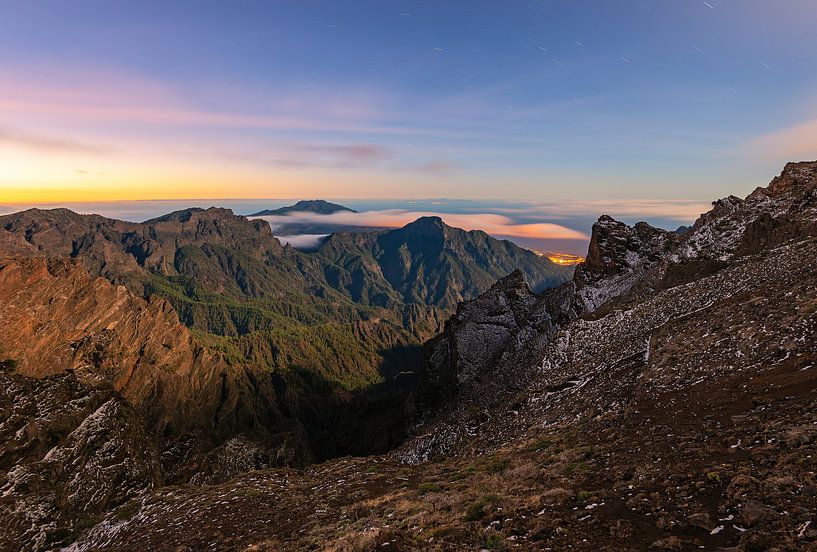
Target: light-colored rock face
[(56, 316)]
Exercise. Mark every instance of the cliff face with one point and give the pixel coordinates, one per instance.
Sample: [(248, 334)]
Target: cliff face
[(56, 317)]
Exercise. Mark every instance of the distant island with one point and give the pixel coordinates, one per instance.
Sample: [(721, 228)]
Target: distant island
[(308, 205)]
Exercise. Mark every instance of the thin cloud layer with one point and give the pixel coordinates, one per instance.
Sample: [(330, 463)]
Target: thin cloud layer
[(337, 155), (499, 225), (672, 209), (49, 144)]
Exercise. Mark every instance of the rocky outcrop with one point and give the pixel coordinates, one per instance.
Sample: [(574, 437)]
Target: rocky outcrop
[(617, 258), (482, 331)]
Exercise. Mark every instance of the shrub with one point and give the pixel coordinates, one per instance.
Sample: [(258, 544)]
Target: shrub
[(713, 477), (428, 487), (495, 464), (476, 510), (495, 541)]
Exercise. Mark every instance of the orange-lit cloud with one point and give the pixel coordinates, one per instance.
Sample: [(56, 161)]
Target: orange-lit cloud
[(498, 225)]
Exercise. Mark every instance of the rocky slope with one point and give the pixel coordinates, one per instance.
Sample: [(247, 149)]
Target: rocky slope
[(664, 399)]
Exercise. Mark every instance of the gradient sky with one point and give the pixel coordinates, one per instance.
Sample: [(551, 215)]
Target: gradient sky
[(551, 100)]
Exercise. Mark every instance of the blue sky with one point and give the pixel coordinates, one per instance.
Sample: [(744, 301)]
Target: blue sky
[(535, 101)]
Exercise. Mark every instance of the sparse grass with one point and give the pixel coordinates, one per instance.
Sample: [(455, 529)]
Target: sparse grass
[(577, 468), (540, 445)]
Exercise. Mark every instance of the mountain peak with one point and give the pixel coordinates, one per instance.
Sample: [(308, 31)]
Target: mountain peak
[(427, 222), (318, 206), (185, 215)]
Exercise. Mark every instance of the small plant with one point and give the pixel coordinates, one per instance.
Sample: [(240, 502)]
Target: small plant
[(371, 469), (428, 487), (577, 468), (476, 510), (496, 465), (495, 541), (584, 495), (540, 445), (713, 477)]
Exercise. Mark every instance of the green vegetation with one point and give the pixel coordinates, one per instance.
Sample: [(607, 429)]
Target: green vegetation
[(574, 468), (495, 541), (496, 464), (477, 510)]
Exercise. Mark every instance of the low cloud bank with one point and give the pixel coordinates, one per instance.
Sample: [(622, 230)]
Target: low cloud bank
[(395, 218), (303, 241)]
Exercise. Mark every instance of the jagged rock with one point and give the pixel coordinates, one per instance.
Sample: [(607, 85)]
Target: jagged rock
[(618, 258), (479, 333)]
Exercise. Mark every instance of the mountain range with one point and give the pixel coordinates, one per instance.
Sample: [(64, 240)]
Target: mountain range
[(188, 382)]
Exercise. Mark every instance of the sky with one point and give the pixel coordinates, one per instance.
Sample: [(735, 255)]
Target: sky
[(655, 103)]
